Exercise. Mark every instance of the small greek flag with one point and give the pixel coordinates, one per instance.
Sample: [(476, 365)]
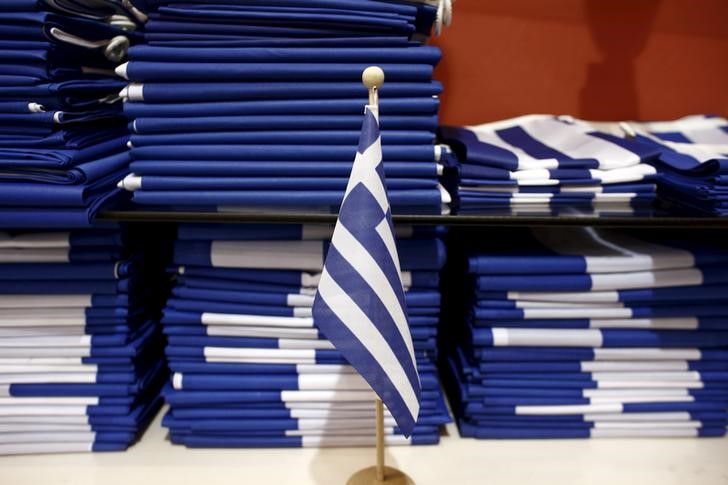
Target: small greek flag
[(360, 302)]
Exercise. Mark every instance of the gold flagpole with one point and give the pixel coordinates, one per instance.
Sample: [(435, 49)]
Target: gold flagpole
[(373, 78), (380, 440)]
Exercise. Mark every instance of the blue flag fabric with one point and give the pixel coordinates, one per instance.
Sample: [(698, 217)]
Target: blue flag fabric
[(360, 304)]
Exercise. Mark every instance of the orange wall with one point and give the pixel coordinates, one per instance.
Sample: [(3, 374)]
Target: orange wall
[(595, 59)]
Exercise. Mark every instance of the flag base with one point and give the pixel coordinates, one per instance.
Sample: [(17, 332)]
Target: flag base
[(368, 476)]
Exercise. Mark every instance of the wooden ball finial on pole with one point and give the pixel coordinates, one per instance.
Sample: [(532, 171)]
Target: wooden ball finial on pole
[(373, 78)]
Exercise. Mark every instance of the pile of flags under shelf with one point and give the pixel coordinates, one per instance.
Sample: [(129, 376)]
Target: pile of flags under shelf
[(249, 366), (584, 333), (81, 360)]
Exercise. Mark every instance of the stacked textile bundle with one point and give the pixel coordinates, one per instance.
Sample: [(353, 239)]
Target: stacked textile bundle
[(250, 368), (579, 334), (80, 352), (62, 133), (693, 161), (544, 164), (259, 104)]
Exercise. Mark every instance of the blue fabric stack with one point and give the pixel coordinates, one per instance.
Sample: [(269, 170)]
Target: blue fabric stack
[(541, 164), (62, 130), (693, 161), (239, 103), (250, 368), (591, 334), (80, 348)]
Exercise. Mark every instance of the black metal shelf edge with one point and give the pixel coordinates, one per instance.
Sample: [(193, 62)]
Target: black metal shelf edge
[(450, 220)]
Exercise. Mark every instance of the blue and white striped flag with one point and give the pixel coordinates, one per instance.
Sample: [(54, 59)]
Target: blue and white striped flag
[(360, 302)]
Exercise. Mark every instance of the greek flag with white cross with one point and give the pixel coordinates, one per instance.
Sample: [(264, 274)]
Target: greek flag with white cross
[(360, 304)]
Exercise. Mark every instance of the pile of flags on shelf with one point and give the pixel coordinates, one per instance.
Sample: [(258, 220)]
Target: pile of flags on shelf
[(253, 105), (80, 349), (541, 164), (693, 162), (589, 334), (249, 366), (62, 130)]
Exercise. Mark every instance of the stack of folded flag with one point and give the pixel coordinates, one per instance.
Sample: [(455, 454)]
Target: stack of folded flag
[(80, 353), (245, 104), (693, 161), (250, 368), (62, 130), (581, 334), (544, 164)]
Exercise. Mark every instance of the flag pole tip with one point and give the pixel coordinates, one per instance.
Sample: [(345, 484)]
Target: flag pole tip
[(373, 77)]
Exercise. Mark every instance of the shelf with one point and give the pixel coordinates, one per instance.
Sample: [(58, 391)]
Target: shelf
[(450, 220), (455, 461)]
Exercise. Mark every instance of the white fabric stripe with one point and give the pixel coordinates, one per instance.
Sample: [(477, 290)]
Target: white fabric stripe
[(6, 369), (650, 384), (45, 352), (37, 240), (43, 312), (647, 279), (666, 416), (62, 340), (649, 425), (685, 323), (255, 320), (305, 344), (351, 441), (368, 268), (43, 301), (326, 397), (657, 376), (48, 419), (364, 330), (78, 322), (37, 448), (568, 409), (40, 255), (631, 400), (325, 369), (567, 296), (644, 433), (262, 331), (364, 171), (32, 427), (646, 353), (53, 410), (50, 378), (638, 366), (240, 353), (41, 361), (326, 432), (304, 255), (535, 337), (569, 141), (55, 401), (643, 393), (45, 438), (333, 382)]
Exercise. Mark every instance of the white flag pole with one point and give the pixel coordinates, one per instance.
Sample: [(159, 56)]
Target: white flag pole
[(373, 78)]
